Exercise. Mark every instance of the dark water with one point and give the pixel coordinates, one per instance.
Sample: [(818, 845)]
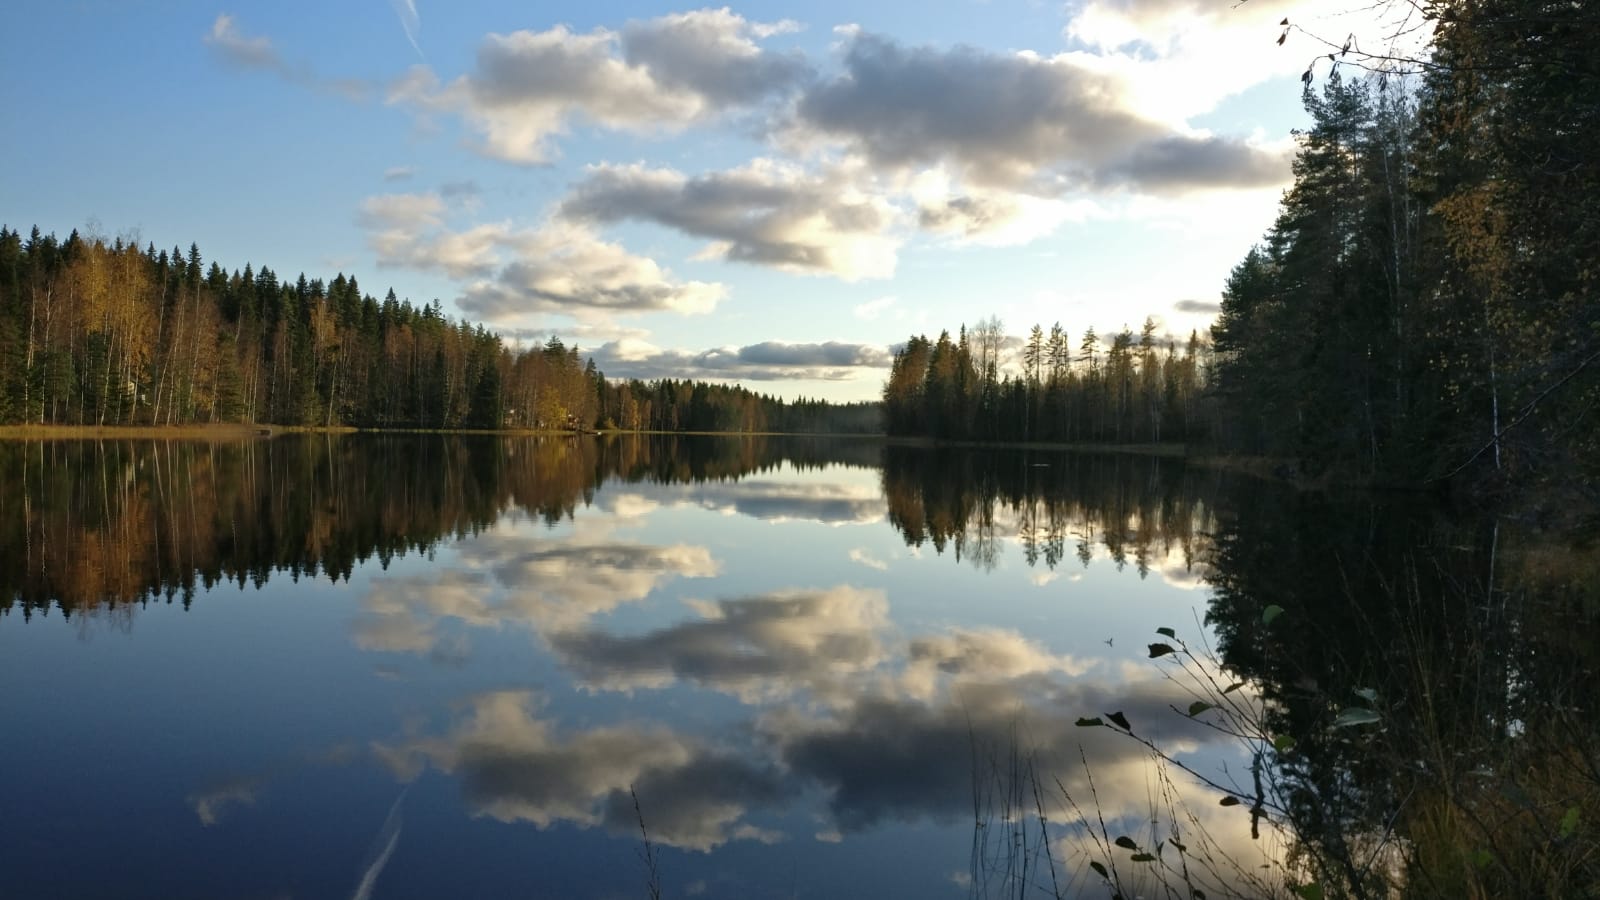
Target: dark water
[(437, 667)]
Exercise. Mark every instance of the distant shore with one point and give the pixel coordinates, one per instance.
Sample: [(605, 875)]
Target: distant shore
[(1172, 450), (1262, 467), (204, 432)]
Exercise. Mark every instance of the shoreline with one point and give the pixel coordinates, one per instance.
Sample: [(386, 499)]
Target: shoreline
[(237, 431)]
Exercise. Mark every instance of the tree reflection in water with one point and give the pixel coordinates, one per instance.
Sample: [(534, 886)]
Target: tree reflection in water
[(1417, 683)]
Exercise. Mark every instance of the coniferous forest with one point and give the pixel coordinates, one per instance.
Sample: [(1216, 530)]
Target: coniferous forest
[(1422, 310), (1140, 389), (97, 332)]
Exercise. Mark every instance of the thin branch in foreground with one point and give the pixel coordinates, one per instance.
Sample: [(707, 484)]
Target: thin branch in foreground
[(648, 854)]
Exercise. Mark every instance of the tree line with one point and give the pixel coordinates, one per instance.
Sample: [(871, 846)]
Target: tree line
[(101, 332), (1140, 388), (1423, 306)]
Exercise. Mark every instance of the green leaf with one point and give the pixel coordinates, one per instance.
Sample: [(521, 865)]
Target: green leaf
[(1167, 632), (1126, 843), (1283, 743), (1142, 857), (1117, 718), (1232, 687), (1200, 706), (1355, 715), (1091, 723), (1159, 650), (1228, 801), (1569, 822), (1312, 891), (1483, 859), (1270, 613), (1368, 694), (1101, 869)]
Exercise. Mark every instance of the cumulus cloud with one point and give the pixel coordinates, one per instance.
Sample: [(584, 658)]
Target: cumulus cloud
[(1014, 121), (1182, 162), (517, 767), (405, 615), (972, 214), (825, 503), (399, 173), (897, 758), (660, 74), (769, 213), (774, 644), (881, 728), (993, 653), (408, 213), (767, 361), (831, 503), (568, 268), (514, 581), (515, 273), (713, 53)]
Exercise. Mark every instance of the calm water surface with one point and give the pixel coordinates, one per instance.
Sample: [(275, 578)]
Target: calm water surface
[(436, 667)]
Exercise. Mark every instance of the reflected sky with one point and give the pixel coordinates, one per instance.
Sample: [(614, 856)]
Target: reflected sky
[(790, 690)]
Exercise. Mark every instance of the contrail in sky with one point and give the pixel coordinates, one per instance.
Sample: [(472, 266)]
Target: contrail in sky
[(409, 20)]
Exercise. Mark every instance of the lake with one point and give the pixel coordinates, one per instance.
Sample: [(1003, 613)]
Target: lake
[(392, 666)]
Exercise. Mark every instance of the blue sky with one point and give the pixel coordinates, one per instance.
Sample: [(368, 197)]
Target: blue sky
[(767, 193)]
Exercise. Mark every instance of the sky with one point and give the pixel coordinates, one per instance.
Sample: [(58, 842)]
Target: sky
[(775, 194)]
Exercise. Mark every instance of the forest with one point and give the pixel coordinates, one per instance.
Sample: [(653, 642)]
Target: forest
[(101, 332), (1141, 389), (1422, 309)]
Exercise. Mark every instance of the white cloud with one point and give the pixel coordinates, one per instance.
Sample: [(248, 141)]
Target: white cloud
[(515, 766), (240, 49), (567, 268), (773, 644), (519, 582), (858, 555), (992, 217), (872, 309), (1018, 121), (766, 361), (769, 212), (517, 274), (656, 75)]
